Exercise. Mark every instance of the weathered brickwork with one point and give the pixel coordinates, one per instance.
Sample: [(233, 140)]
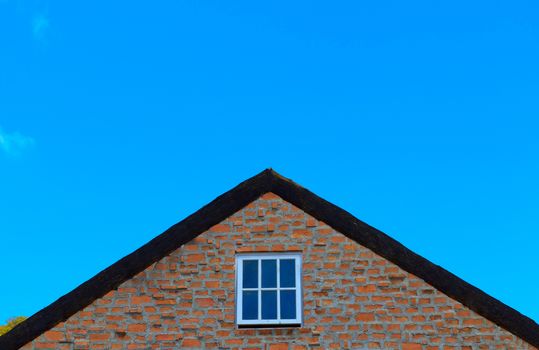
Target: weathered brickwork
[(353, 298)]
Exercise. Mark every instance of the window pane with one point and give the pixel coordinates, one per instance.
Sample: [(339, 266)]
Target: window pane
[(269, 305), (250, 273), (288, 304), (287, 269), (250, 305), (269, 274)]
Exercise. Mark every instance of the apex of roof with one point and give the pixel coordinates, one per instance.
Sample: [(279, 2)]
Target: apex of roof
[(232, 201)]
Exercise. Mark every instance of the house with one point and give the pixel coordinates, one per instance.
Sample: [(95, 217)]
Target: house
[(270, 265)]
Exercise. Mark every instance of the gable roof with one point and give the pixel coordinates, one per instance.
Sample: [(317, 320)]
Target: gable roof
[(234, 200)]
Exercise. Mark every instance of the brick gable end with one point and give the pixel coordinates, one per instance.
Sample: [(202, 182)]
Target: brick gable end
[(353, 298)]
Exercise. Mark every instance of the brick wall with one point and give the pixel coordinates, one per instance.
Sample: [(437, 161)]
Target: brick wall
[(353, 298)]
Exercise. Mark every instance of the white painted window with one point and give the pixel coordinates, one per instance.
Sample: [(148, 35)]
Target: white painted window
[(268, 289)]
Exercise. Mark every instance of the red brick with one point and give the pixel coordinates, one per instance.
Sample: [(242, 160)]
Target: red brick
[(278, 346), (136, 300), (191, 343), (192, 258), (165, 337), (54, 335), (141, 327), (220, 228), (364, 317), (99, 336), (204, 302), (411, 346)]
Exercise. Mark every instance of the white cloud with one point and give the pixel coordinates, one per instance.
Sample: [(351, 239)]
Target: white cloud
[(14, 143), (40, 25)]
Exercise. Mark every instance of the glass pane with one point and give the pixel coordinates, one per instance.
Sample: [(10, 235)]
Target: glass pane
[(250, 305), (287, 269), (269, 274), (250, 273), (288, 304), (269, 305)]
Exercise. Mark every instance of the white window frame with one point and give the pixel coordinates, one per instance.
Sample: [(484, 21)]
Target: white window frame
[(239, 288)]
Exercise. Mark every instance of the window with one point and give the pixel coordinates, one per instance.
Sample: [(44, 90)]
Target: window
[(268, 289)]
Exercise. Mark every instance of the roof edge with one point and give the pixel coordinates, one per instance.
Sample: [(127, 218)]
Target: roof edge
[(232, 201), (446, 282), (130, 265)]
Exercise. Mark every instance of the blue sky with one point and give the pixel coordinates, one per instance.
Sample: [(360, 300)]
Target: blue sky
[(119, 119)]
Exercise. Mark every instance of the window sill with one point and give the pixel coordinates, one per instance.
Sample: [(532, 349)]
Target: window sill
[(268, 326)]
